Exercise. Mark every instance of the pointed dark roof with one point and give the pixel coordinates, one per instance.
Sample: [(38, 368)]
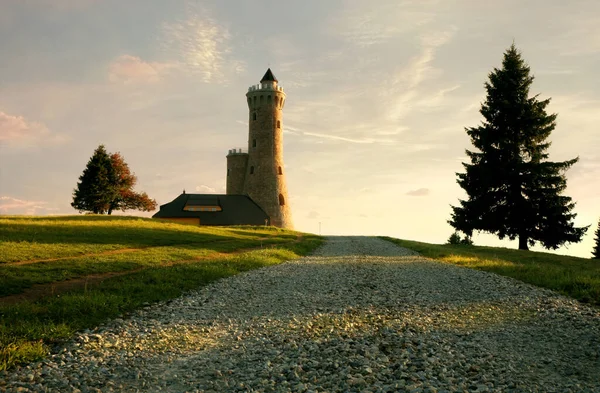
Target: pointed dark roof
[(268, 77)]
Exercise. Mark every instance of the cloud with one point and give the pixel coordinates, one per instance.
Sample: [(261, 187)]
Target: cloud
[(18, 131), (344, 139), (202, 45), (205, 189), (10, 205), (130, 69), (56, 4), (364, 26), (406, 84), (581, 37), (312, 215), (418, 192)]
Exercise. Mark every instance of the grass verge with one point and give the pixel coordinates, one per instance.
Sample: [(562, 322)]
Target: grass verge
[(578, 278), (185, 258)]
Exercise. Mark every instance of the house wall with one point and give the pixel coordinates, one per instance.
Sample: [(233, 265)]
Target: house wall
[(180, 220)]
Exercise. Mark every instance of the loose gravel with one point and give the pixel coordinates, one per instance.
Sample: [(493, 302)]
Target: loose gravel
[(361, 315)]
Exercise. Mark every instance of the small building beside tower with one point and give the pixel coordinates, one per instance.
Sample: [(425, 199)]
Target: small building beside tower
[(255, 177)]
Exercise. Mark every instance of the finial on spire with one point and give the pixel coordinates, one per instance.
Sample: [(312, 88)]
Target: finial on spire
[(269, 77)]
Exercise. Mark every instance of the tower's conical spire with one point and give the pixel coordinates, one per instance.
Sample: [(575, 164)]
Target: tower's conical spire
[(269, 77)]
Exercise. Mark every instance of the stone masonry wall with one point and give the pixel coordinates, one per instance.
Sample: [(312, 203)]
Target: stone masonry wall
[(236, 172), (265, 180)]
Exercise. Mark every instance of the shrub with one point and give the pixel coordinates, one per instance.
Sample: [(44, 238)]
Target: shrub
[(467, 241), (456, 239)]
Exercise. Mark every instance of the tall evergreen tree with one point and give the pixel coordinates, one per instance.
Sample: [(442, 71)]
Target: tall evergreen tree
[(95, 189), (597, 240), (513, 190), (107, 184)]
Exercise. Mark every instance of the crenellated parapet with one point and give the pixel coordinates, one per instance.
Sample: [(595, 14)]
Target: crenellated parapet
[(265, 86), (237, 150), (265, 95)]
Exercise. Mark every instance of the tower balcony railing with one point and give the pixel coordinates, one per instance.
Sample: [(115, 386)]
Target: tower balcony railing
[(266, 86), (237, 150)]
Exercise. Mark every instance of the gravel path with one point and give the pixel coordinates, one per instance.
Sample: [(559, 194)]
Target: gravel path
[(361, 315)]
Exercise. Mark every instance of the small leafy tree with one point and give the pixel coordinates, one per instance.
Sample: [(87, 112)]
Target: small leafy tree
[(126, 198), (107, 184), (597, 246)]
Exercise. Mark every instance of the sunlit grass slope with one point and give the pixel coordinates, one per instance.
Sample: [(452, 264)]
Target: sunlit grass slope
[(155, 261), (575, 277)]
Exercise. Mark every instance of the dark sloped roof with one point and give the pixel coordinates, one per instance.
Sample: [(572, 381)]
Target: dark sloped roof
[(236, 209), (202, 200), (268, 77)]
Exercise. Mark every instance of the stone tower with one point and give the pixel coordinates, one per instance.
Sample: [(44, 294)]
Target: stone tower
[(259, 173)]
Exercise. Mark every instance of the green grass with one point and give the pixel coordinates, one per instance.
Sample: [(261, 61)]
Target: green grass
[(163, 260), (33, 238), (578, 278)]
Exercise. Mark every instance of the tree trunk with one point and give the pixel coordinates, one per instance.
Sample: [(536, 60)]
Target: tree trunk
[(523, 243)]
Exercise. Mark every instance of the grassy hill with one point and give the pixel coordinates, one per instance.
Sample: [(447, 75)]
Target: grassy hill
[(63, 274), (578, 278)]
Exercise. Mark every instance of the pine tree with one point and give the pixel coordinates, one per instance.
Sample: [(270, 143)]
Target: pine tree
[(597, 240), (107, 184), (513, 190), (95, 189)]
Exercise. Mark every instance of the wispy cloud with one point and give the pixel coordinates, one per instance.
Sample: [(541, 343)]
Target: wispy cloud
[(10, 205), (56, 4), (363, 25), (419, 192), (202, 45), (130, 69), (405, 87), (18, 131), (345, 139), (582, 37), (205, 189), (311, 215)]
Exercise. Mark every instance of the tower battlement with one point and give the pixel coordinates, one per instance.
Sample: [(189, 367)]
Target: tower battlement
[(237, 150), (266, 86)]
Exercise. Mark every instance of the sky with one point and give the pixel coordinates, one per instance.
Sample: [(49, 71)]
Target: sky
[(378, 95)]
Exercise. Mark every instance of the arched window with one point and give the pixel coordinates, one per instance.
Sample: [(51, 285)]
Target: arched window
[(253, 142), (280, 171), (228, 170), (254, 100), (276, 100), (281, 200), (278, 123), (249, 100), (261, 99), (251, 170), (254, 116), (269, 98)]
